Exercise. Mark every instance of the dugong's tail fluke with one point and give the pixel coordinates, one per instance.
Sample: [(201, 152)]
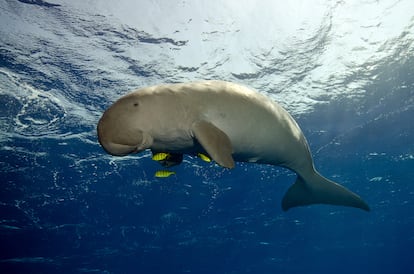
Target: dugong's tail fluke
[(319, 190)]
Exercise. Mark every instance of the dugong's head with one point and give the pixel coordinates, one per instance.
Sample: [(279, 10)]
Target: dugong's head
[(124, 127)]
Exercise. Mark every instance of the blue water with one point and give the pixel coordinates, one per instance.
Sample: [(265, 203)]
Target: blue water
[(67, 207)]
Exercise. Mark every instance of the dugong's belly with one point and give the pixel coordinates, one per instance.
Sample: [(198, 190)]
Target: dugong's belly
[(263, 144), (261, 131)]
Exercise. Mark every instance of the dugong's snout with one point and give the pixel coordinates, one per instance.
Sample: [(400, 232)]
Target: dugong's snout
[(114, 145), (121, 141)]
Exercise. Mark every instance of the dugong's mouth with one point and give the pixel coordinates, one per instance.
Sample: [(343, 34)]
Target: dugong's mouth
[(119, 149)]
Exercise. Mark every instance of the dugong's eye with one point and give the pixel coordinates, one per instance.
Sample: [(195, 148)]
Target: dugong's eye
[(136, 104)]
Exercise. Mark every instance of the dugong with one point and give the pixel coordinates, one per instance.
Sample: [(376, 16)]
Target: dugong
[(228, 122)]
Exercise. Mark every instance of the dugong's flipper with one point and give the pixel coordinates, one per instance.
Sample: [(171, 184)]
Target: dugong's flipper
[(319, 190), (215, 142)]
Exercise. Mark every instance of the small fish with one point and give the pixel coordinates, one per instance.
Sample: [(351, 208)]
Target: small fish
[(204, 157), (163, 173), (168, 159), (161, 156)]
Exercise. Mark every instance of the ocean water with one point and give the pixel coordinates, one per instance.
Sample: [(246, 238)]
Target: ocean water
[(343, 69)]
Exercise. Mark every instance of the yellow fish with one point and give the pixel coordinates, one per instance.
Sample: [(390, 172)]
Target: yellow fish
[(163, 173), (160, 156), (167, 159), (203, 157)]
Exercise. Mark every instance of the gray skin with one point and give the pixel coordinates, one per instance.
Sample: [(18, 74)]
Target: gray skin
[(227, 121)]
